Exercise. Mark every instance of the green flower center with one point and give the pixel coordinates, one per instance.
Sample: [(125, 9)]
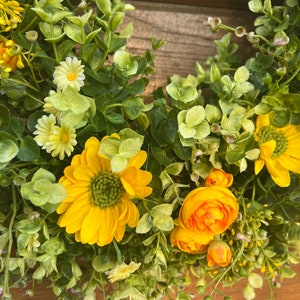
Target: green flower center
[(269, 133), (106, 189)]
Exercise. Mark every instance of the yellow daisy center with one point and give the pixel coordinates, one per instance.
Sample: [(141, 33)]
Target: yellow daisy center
[(72, 76), (268, 133), (64, 138), (106, 189)]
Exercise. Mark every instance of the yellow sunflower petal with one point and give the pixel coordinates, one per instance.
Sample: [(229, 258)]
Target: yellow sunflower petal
[(83, 172), (258, 165), (289, 163), (267, 149), (280, 175), (262, 120), (107, 225), (128, 187), (90, 225), (138, 160)]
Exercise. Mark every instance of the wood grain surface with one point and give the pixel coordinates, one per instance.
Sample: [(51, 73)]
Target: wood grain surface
[(187, 40)]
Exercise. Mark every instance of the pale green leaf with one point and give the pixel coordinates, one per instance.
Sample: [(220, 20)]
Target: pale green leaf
[(144, 225), (195, 115), (255, 280), (8, 150), (241, 74)]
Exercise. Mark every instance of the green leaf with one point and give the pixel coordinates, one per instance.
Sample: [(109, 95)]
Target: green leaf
[(29, 226), (248, 292), (74, 33), (163, 221), (133, 107), (280, 118), (8, 150), (144, 225), (241, 74), (115, 118), (29, 150), (4, 116), (287, 272), (53, 246), (102, 263), (195, 115), (130, 147), (185, 94), (255, 280), (118, 163), (17, 126), (233, 156), (165, 208), (104, 6), (255, 6), (212, 113), (174, 168), (292, 101)]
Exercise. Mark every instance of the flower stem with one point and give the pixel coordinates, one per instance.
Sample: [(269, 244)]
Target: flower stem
[(6, 292), (118, 252)]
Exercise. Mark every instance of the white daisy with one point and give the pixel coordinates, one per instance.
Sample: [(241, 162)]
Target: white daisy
[(44, 129), (62, 141), (69, 73)]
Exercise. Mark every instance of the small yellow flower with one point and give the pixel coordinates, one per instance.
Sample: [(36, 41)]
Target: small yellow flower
[(122, 271), (62, 141), (279, 150), (69, 73), (10, 57), (44, 129), (10, 15), (99, 206), (54, 139)]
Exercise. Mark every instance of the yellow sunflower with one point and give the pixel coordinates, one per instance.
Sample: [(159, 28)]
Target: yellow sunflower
[(98, 205), (279, 150)]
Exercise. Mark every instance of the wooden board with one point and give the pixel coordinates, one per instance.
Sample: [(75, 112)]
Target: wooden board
[(187, 38), (290, 290)]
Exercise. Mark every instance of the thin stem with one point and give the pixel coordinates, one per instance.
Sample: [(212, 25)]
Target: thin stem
[(118, 252), (10, 241)]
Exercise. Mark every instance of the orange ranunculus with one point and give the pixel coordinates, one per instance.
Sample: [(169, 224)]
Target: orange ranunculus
[(189, 241), (208, 210), (218, 253), (219, 177), (10, 56)]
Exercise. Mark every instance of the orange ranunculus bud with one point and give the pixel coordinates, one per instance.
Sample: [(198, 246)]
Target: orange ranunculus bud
[(208, 210), (189, 241), (219, 177), (218, 253)]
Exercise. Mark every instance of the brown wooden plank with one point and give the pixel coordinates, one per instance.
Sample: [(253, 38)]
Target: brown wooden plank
[(289, 290), (182, 28), (207, 3)]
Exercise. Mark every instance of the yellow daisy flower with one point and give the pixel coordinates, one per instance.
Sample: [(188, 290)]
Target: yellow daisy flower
[(54, 139), (99, 205), (69, 73), (44, 129), (279, 150), (10, 14), (122, 271), (62, 141)]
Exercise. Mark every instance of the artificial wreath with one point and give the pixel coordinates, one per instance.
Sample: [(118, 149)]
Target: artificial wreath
[(102, 188)]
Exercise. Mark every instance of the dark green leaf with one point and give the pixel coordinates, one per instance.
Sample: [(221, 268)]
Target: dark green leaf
[(29, 150), (4, 116)]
